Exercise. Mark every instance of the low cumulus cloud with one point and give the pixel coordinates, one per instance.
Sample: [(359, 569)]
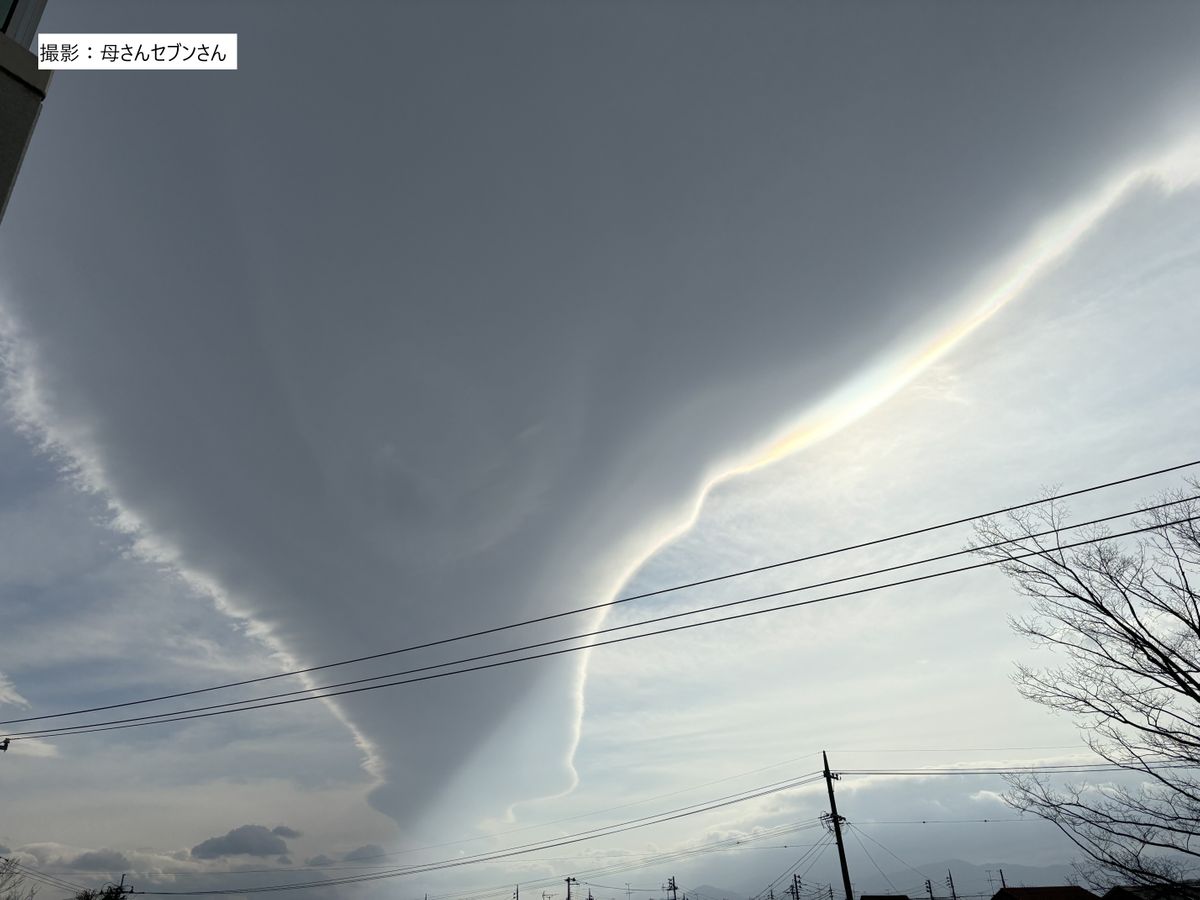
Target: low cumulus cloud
[(101, 861), (319, 860), (245, 840), (284, 832)]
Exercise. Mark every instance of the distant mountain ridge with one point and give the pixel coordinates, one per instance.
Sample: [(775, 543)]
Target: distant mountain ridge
[(970, 880)]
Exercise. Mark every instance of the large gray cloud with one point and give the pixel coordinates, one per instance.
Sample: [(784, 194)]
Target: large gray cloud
[(367, 851), (101, 861), (247, 840), (397, 344)]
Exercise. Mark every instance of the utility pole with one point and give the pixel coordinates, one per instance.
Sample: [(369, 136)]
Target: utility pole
[(570, 880), (517, 893), (950, 884), (672, 889), (929, 888), (794, 890), (1003, 885), (837, 827)]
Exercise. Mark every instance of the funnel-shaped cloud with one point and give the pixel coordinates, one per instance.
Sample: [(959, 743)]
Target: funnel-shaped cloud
[(454, 334)]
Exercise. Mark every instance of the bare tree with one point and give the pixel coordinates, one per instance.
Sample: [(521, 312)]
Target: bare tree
[(108, 892), (12, 882), (1123, 616)]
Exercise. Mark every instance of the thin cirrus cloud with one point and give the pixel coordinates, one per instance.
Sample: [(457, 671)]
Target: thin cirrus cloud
[(465, 346)]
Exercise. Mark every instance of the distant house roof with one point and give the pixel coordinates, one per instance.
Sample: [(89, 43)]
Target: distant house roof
[(1054, 892), (888, 897), (1185, 890)]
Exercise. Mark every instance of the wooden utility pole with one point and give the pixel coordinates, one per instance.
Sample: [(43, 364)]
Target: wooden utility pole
[(837, 827)]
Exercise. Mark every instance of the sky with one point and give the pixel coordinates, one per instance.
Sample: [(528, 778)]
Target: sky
[(436, 317)]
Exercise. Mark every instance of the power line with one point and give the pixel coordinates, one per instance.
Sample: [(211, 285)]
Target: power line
[(1063, 769), (257, 703), (955, 749), (624, 863), (591, 834), (945, 821), (640, 862), (892, 855), (812, 856), (867, 853), (586, 815), (45, 877), (621, 600)]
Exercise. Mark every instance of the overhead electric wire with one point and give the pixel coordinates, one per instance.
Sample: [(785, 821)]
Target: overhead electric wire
[(811, 856), (620, 864), (590, 834), (625, 626), (46, 878), (257, 703), (1064, 769), (641, 862), (632, 863), (618, 601), (586, 815), (686, 852), (893, 856), (867, 853), (815, 852), (950, 749), (947, 821)]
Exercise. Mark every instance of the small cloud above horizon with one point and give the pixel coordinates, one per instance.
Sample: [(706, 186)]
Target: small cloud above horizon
[(245, 840)]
